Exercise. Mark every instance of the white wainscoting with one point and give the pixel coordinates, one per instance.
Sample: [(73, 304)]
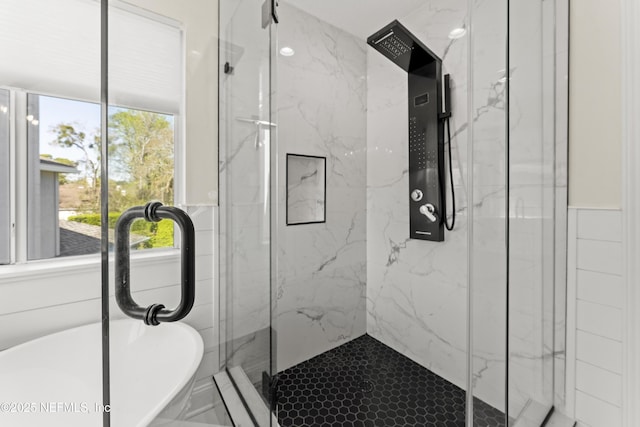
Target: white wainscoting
[(594, 317)]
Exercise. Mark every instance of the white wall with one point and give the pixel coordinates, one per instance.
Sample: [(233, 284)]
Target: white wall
[(595, 104), (594, 317), (595, 284), (199, 19)]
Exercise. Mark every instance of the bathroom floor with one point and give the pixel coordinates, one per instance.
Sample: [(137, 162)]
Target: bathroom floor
[(365, 383)]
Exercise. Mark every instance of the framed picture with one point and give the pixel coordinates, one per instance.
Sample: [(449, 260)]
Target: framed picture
[(306, 189)]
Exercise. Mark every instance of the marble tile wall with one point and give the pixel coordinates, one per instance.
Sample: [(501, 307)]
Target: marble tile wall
[(322, 105), (416, 290)]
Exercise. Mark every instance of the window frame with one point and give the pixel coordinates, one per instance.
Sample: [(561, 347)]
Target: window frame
[(18, 187)]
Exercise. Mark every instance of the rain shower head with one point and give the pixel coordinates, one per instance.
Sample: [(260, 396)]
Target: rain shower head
[(403, 48)]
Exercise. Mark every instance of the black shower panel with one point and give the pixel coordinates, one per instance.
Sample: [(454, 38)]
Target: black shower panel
[(426, 128)]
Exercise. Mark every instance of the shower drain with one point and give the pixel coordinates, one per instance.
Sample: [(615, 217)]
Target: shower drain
[(366, 386)]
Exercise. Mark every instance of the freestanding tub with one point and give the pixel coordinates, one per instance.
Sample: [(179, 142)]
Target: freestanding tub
[(56, 380)]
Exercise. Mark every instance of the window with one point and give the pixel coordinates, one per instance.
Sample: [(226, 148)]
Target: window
[(63, 181), (50, 131)]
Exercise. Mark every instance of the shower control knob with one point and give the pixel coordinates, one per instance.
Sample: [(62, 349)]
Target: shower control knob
[(416, 195), (429, 211)]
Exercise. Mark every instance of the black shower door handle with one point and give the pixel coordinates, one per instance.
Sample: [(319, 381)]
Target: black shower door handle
[(155, 313)]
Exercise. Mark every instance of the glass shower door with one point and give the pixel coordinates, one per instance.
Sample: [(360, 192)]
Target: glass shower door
[(532, 210), (512, 231), (487, 249), (247, 139), (162, 193)]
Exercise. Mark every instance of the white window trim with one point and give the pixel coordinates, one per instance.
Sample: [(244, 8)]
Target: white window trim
[(83, 263), (20, 178), (12, 177)]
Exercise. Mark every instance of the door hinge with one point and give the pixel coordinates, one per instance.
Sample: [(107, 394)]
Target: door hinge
[(270, 389), (269, 13), (274, 11)]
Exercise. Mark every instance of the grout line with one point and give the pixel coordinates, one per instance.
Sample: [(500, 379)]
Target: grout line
[(600, 272), (599, 399), (619, 374), (99, 299), (597, 335), (599, 240), (599, 303)]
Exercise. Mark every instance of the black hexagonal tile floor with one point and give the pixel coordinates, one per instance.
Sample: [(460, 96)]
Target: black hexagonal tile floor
[(365, 383)]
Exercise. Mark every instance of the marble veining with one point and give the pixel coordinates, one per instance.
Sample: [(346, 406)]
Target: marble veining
[(305, 189), (321, 112), (358, 272), (416, 290)]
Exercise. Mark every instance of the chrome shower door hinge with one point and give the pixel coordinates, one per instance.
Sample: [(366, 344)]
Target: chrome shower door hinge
[(269, 13)]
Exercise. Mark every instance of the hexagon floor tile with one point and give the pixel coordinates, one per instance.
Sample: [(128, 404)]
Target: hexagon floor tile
[(365, 383)]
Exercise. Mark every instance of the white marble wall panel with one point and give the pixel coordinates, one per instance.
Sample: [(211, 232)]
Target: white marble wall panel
[(416, 290), (321, 93)]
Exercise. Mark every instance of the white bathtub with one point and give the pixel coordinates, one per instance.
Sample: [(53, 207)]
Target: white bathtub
[(58, 378)]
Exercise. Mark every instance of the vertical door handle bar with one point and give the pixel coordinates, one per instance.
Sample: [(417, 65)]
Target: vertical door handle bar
[(155, 313)]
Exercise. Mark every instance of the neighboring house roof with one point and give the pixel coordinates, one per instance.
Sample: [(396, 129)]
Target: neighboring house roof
[(77, 238), (48, 165), (76, 243)]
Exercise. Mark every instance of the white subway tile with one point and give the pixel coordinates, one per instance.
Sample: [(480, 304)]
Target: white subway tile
[(204, 267), (27, 325), (593, 412), (205, 242), (600, 224), (599, 320), (210, 339), (599, 351), (43, 291), (201, 317), (601, 288), (203, 217), (599, 383), (208, 367), (204, 291), (600, 256), (151, 273)]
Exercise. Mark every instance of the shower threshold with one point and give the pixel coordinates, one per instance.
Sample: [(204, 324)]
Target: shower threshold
[(366, 383)]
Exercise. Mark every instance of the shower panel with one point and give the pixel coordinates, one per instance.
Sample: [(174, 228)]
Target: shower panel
[(426, 127)]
